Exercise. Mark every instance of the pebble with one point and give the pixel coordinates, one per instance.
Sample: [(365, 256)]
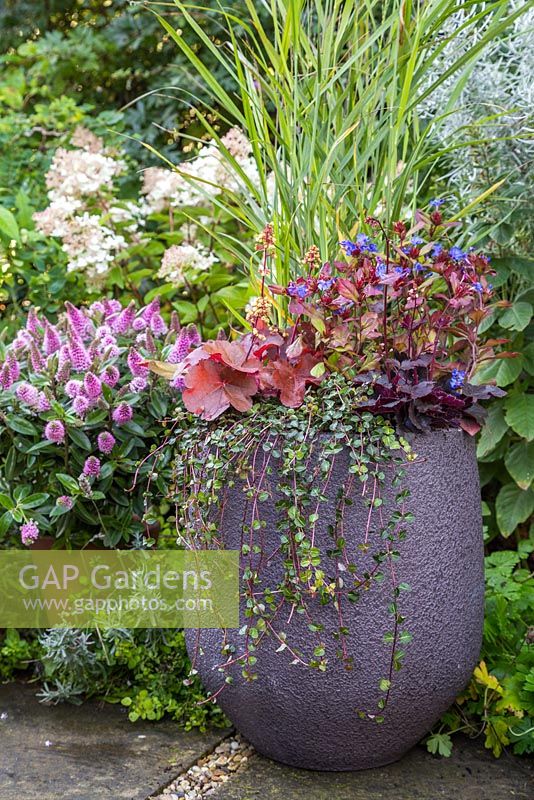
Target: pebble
[(203, 778)]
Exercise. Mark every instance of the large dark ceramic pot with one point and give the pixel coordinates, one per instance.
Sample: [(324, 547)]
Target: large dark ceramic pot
[(309, 719)]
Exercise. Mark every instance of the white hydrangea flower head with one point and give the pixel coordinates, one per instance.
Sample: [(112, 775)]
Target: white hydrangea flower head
[(179, 257)]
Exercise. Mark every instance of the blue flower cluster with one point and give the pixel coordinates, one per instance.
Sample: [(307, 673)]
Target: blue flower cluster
[(299, 290), (457, 379), (363, 244)]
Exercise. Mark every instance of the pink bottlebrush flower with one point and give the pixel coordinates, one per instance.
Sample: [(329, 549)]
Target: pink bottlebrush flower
[(64, 365), (175, 322), (51, 341), (92, 386), (111, 307), (152, 308), (55, 431), (27, 394), (6, 381), (139, 324), (180, 348), (65, 501), (43, 403), (78, 355), (73, 388), (37, 361), (125, 319), (14, 367), (106, 442), (194, 336), (150, 344), (111, 375), (29, 532), (123, 413), (78, 321), (97, 308), (178, 383), (91, 468), (33, 323), (138, 384), (158, 326), (81, 405), (136, 363)]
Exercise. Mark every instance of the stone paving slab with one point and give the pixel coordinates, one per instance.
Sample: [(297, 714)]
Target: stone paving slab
[(93, 751), (470, 774)]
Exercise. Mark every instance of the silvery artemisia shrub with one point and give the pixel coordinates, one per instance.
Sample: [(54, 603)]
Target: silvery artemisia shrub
[(495, 103)]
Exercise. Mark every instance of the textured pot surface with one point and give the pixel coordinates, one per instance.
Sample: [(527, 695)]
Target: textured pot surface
[(308, 718)]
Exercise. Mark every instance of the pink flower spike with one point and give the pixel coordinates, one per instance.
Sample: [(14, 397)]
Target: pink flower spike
[(78, 355), (158, 326), (6, 381), (152, 308), (136, 364), (33, 323), (14, 367), (37, 361), (65, 501), (125, 319), (73, 388), (43, 403), (27, 394), (77, 320), (55, 431), (106, 442), (91, 468), (51, 342), (110, 376), (138, 384), (29, 532), (81, 405), (122, 414), (92, 386)]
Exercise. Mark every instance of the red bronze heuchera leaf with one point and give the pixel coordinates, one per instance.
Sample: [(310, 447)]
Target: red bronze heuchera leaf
[(212, 387)]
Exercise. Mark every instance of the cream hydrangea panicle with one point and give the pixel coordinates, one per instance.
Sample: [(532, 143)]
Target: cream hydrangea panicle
[(79, 173), (180, 257)]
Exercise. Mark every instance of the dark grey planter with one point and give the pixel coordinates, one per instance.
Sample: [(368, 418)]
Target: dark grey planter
[(309, 719)]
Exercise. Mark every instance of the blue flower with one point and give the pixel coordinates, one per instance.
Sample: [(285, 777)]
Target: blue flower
[(457, 379), (436, 250), (365, 243), (349, 247), (478, 287), (324, 285), (436, 202), (343, 308), (297, 290), (456, 253), (415, 240), (380, 268)]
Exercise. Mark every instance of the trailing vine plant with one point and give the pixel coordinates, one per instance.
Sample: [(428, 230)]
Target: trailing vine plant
[(331, 366), (285, 458)]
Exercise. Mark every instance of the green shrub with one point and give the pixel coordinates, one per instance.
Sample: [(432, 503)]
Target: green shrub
[(146, 671)]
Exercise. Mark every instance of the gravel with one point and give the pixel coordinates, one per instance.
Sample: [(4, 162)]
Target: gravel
[(204, 778)]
